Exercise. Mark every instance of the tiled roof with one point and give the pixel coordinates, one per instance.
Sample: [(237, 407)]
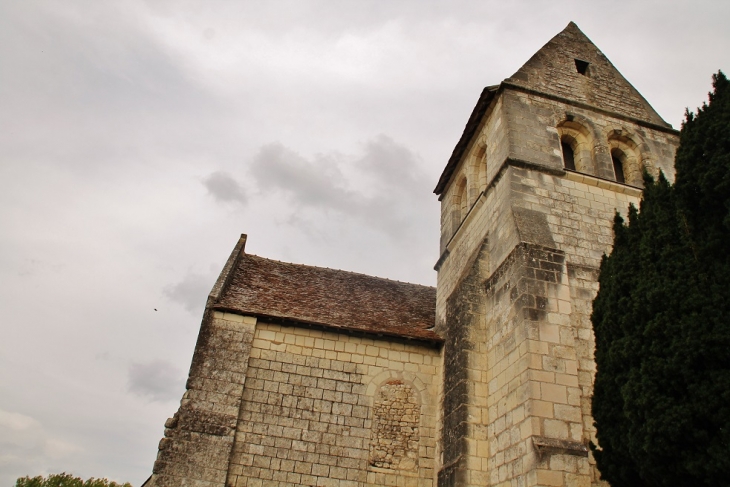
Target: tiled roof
[(329, 298)]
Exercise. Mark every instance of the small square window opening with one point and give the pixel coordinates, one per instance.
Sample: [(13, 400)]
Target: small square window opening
[(581, 67)]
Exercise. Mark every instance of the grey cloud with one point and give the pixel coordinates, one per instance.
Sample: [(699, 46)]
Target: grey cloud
[(98, 87), (385, 187), (191, 292), (338, 17), (157, 381), (317, 183), (394, 166), (224, 188)]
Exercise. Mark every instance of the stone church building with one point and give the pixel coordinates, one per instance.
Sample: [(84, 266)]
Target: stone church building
[(309, 376)]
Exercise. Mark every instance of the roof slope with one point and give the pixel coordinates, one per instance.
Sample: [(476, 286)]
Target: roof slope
[(331, 298), (553, 70)]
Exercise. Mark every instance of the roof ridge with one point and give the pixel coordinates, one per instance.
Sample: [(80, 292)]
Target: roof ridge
[(338, 270)]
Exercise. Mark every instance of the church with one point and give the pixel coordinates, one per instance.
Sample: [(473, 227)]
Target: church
[(310, 376)]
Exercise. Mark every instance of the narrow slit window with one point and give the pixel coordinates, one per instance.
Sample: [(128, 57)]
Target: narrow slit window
[(581, 67), (618, 168), (568, 156), (463, 202)]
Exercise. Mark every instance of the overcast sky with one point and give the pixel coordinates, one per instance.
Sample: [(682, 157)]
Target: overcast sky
[(139, 139)]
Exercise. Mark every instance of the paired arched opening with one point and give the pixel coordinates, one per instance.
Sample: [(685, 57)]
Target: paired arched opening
[(470, 184), (582, 152)]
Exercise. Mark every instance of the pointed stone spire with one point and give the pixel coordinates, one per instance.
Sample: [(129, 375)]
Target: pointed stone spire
[(570, 66)]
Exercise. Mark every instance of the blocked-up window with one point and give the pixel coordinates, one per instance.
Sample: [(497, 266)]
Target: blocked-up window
[(395, 436)]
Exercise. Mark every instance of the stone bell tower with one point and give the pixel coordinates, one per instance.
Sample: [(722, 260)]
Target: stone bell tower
[(527, 203)]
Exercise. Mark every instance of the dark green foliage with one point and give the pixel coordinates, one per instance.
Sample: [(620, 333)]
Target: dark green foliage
[(662, 320), (66, 480)]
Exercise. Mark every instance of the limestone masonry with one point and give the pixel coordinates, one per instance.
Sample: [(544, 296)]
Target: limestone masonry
[(318, 377)]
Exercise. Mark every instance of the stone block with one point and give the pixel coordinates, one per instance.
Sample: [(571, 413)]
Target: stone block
[(549, 478), (554, 393), (553, 428)]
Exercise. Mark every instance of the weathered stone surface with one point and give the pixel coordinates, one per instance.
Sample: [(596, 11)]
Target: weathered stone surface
[(395, 436), (199, 437)]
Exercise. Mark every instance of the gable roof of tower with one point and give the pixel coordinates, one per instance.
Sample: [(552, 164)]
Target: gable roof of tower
[(329, 298), (552, 71)]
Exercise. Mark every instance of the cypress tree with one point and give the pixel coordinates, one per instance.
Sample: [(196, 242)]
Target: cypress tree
[(611, 318), (662, 320)]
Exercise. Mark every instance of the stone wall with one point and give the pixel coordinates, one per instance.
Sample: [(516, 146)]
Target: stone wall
[(493, 138), (198, 439), (331, 409), (528, 359), (395, 435), (533, 391), (533, 136), (464, 396)]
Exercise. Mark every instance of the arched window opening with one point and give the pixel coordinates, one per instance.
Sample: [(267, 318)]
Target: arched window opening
[(481, 166), (459, 202), (618, 165), (576, 144), (568, 155), (463, 200), (627, 157)]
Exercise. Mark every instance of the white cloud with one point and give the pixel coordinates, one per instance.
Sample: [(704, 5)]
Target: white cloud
[(26, 448), (17, 422)]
